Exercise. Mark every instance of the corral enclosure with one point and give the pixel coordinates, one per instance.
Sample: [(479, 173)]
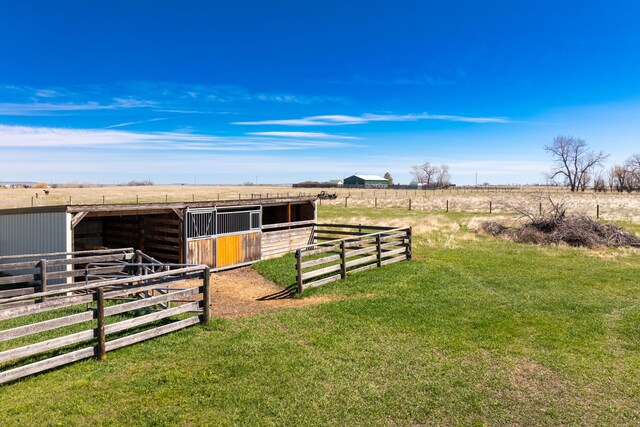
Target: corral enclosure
[(220, 234)]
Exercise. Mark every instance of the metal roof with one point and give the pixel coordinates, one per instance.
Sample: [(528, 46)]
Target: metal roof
[(371, 177)]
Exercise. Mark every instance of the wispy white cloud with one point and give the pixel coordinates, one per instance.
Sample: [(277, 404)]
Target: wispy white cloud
[(417, 80), (338, 120), (315, 135), (162, 96), (120, 125), (46, 137)]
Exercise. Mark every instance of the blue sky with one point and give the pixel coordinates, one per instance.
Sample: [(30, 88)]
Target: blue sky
[(231, 91)]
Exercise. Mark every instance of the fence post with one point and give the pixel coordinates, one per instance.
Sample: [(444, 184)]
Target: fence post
[(137, 199), (206, 295), (540, 209), (489, 206), (343, 261), (43, 277), (103, 199), (345, 201), (409, 242), (379, 250), (597, 211), (299, 270), (101, 349), (447, 205), (409, 204), (376, 202), (139, 261)]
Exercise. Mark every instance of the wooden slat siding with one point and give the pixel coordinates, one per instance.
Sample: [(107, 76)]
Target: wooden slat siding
[(251, 247), (201, 251), (284, 241), (321, 282), (321, 272), (360, 261), (319, 261)]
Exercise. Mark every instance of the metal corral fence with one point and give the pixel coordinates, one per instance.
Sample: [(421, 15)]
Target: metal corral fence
[(347, 249), (47, 329)]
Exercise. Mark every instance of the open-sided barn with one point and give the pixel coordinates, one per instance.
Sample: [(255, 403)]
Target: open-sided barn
[(220, 234)]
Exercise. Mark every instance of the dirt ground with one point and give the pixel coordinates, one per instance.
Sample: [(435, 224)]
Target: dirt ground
[(244, 292)]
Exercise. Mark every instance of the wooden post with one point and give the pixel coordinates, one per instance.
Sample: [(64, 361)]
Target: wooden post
[(43, 277), (447, 205), (597, 211), (409, 243), (69, 199), (166, 198), (379, 250), (409, 204), (489, 206), (206, 295), (139, 261), (343, 261), (137, 199), (101, 348), (345, 201), (376, 202), (540, 210), (103, 199), (299, 270)]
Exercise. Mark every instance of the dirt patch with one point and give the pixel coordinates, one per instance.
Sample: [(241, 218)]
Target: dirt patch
[(244, 292)]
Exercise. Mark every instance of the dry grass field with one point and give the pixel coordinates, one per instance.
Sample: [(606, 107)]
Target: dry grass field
[(612, 206)]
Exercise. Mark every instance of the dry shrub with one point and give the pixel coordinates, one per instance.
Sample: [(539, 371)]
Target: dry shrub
[(556, 227), (492, 228)]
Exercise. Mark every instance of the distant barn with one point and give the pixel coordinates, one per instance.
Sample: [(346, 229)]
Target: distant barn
[(366, 181)]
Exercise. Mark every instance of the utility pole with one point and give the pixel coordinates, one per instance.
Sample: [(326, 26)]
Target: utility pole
[(476, 179)]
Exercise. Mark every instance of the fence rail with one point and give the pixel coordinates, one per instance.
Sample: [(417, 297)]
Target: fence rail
[(341, 249), (28, 274), (118, 308)]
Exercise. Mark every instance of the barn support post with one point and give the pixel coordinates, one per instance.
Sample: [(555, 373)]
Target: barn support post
[(299, 270), (206, 295), (101, 348)]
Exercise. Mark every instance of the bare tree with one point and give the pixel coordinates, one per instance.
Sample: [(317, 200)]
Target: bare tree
[(416, 171), (429, 173), (573, 160), (618, 178), (443, 178), (632, 167)]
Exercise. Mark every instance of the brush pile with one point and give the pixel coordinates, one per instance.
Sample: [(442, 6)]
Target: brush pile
[(556, 227)]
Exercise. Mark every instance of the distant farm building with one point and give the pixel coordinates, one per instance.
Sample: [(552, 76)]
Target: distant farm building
[(366, 181), (220, 234), (337, 182)]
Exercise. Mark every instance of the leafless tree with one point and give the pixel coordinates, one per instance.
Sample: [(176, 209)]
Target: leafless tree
[(429, 172), (573, 160), (632, 167), (618, 178), (416, 171), (443, 178)]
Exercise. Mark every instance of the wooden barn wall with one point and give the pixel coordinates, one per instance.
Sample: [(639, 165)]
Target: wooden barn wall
[(238, 249), (158, 236), (201, 251), (88, 235), (276, 243)]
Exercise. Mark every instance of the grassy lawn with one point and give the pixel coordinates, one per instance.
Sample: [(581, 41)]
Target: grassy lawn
[(474, 331)]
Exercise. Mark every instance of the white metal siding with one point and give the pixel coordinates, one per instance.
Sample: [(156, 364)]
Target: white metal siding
[(30, 233)]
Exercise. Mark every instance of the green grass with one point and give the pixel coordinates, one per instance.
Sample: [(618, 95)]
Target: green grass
[(475, 332)]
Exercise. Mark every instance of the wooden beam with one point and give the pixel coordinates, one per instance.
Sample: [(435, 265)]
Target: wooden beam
[(77, 218), (179, 213)]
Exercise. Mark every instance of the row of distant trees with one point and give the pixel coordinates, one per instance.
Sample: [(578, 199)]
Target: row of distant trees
[(579, 167), (431, 176)]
